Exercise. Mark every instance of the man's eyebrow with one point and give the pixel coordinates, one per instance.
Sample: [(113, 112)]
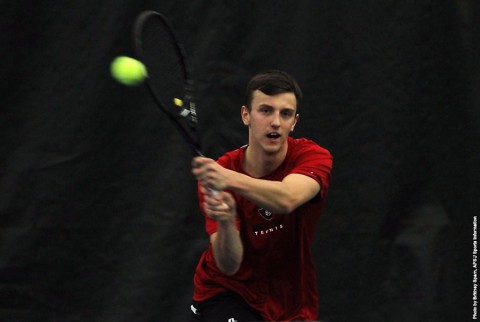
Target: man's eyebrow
[(282, 108), (288, 108), (265, 105)]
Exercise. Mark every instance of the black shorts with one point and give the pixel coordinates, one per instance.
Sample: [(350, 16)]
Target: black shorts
[(224, 307)]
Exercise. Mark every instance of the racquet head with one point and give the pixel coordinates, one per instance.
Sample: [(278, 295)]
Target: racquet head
[(169, 78)]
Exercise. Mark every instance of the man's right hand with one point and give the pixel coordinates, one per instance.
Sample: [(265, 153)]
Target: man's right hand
[(219, 206)]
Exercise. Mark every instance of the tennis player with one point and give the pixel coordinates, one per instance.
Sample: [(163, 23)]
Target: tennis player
[(258, 266)]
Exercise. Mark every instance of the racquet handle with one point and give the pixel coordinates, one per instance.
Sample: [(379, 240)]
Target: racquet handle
[(200, 154), (213, 191)]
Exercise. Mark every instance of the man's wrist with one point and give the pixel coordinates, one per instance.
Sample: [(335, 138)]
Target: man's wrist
[(227, 222)]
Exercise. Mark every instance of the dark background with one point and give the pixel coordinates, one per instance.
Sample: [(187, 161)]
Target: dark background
[(98, 210)]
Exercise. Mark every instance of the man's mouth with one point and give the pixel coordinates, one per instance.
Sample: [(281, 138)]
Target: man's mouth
[(273, 135)]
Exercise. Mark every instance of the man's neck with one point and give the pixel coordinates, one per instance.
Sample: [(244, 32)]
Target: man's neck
[(259, 164)]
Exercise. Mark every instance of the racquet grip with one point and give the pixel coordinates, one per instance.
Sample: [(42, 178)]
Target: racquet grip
[(213, 191)]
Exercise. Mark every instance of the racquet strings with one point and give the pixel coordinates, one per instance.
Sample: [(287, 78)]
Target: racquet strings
[(164, 62)]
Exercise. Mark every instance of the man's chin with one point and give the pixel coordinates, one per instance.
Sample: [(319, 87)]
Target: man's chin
[(272, 149)]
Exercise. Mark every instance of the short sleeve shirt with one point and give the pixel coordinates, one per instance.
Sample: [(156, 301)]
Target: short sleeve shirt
[(277, 276)]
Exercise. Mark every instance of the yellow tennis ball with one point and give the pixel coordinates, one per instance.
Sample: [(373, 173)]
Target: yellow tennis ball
[(128, 71)]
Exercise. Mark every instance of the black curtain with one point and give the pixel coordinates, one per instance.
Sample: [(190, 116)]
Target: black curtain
[(98, 210)]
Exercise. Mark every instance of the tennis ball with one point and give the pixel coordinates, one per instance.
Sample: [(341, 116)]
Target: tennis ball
[(128, 71)]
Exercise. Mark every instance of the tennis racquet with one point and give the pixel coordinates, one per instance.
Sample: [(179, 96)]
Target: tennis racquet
[(169, 78)]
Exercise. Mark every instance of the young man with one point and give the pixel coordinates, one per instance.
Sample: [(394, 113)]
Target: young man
[(261, 222)]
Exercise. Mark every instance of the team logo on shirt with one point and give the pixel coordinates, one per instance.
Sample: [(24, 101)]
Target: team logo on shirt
[(266, 214), (268, 227)]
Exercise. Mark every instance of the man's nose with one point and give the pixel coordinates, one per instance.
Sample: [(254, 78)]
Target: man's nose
[(276, 120)]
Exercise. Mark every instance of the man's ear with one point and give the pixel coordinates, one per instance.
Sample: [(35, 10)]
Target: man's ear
[(294, 123), (245, 115)]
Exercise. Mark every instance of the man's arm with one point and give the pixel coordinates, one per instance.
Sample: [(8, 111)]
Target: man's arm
[(227, 248), (226, 242), (280, 197)]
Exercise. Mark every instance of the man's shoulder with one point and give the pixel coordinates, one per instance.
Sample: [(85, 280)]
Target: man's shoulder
[(304, 145), (232, 158)]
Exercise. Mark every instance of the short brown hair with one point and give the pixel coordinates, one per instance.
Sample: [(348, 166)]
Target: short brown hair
[(272, 82)]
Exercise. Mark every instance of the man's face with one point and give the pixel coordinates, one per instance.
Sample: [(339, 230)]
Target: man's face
[(270, 121)]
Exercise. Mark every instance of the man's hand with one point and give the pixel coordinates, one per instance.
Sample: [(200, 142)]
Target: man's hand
[(210, 174), (219, 206)]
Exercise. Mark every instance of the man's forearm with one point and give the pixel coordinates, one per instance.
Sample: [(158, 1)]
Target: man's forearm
[(280, 197), (270, 195), (227, 247)]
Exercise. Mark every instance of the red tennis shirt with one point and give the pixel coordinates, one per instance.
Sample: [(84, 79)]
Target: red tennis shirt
[(277, 276)]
